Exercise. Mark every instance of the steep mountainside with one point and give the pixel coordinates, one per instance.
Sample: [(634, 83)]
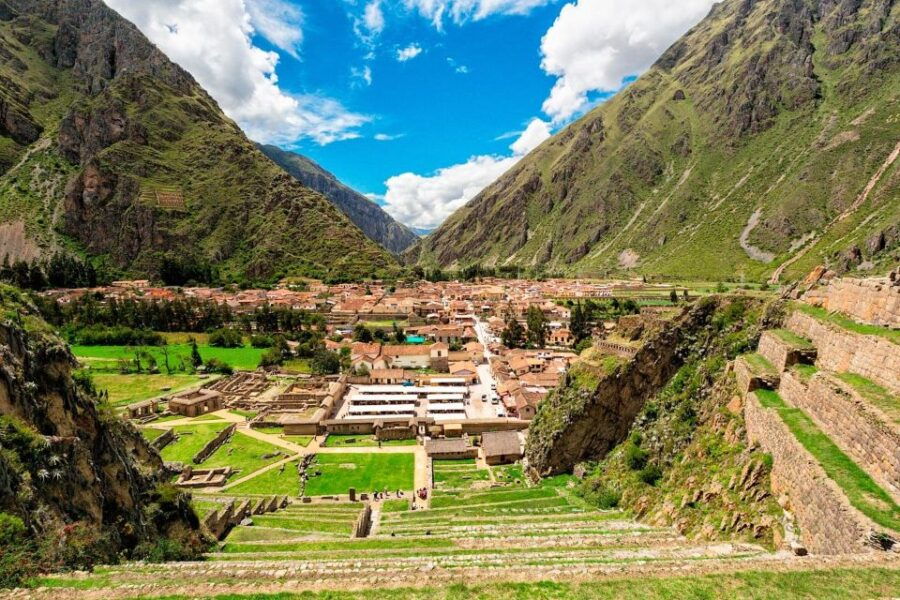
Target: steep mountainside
[(110, 149), (766, 137), (368, 216), (85, 484)]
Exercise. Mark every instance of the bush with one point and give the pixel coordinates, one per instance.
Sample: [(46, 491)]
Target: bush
[(226, 338), (163, 550), (98, 335), (635, 457), (650, 474), (262, 341), (271, 357), (214, 365), (17, 561)]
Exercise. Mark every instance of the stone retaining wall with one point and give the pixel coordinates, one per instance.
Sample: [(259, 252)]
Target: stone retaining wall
[(868, 300), (363, 524), (841, 351), (828, 523), (214, 444), (782, 354), (859, 429), (164, 440)]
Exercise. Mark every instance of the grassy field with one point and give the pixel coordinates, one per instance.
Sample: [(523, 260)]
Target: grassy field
[(273, 482), (793, 339), (458, 474), (825, 584), (151, 433), (245, 454), (364, 472), (107, 357), (299, 366), (874, 393), (190, 440), (849, 324), (127, 389), (362, 441), (864, 494), (300, 440)]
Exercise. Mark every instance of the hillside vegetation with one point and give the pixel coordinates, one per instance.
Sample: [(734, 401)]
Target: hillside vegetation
[(109, 149), (379, 226), (766, 137)]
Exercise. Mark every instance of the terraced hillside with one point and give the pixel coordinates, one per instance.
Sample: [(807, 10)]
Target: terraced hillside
[(822, 397), (109, 149), (762, 143)]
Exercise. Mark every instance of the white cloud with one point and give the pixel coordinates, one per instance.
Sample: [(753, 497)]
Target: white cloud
[(536, 132), (373, 17), (388, 137), (278, 21), (461, 11), (364, 74), (212, 40), (408, 53), (594, 44), (425, 201)]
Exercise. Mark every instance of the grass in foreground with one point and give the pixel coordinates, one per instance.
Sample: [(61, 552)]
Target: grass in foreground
[(274, 482), (364, 472), (864, 494), (849, 324), (824, 584)]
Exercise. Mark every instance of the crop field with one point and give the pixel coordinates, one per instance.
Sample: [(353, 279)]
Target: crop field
[(364, 472), (190, 440), (127, 389), (108, 357)]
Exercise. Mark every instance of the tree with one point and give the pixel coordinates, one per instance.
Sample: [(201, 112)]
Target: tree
[(673, 297), (361, 333), (399, 334), (226, 338), (325, 362), (513, 335), (196, 359), (537, 326), (578, 324)]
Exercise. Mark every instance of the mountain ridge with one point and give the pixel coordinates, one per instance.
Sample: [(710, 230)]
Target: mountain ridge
[(110, 150), (373, 220), (783, 109)]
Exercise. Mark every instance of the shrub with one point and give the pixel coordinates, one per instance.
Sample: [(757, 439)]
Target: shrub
[(650, 474), (262, 341), (17, 561), (98, 335), (271, 357), (163, 550), (226, 338), (635, 457), (214, 365)]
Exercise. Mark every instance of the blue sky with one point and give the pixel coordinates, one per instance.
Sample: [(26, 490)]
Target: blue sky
[(418, 103)]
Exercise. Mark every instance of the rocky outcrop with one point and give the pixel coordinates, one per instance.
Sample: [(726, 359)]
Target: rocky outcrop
[(378, 226), (71, 469), (576, 424)]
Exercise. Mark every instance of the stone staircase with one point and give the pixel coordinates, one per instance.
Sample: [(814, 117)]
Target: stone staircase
[(821, 397)]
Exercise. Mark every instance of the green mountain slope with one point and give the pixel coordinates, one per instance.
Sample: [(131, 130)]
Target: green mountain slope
[(379, 226), (108, 148), (763, 142)]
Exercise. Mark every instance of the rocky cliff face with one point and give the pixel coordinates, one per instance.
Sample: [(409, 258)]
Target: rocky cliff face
[(379, 226), (767, 133), (86, 484), (107, 144)]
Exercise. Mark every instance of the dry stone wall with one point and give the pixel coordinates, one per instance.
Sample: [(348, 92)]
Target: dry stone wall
[(859, 429), (828, 523), (781, 353), (841, 351), (874, 301)]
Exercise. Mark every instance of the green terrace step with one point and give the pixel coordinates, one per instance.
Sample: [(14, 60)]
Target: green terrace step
[(861, 490), (848, 324)]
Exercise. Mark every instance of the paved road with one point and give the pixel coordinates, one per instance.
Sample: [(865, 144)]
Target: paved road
[(485, 377)]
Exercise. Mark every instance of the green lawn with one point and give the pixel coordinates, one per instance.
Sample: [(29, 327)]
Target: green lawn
[(297, 365), (151, 433), (849, 324), (874, 393), (272, 482), (247, 414), (362, 441), (760, 364), (245, 454), (246, 358), (793, 339), (190, 440), (508, 473), (364, 472), (127, 389), (458, 476), (863, 493), (821, 584), (300, 440)]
